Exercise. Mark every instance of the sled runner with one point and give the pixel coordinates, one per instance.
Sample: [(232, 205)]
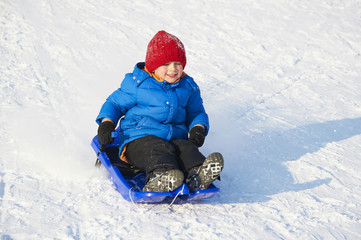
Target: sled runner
[(129, 181)]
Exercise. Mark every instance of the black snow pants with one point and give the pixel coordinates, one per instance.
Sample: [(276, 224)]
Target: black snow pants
[(151, 152)]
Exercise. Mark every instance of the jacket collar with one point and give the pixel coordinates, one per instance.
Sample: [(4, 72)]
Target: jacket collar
[(139, 73)]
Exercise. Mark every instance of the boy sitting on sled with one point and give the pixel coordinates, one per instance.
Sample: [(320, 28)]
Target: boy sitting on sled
[(163, 120)]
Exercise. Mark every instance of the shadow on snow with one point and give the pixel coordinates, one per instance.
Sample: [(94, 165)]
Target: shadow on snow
[(255, 164)]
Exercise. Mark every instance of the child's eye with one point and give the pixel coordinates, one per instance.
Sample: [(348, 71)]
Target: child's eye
[(175, 63)]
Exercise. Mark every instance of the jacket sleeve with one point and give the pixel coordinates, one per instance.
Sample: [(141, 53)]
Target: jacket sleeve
[(196, 113), (119, 102)]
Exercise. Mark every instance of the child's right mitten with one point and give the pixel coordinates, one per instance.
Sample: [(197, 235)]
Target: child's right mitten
[(105, 130)]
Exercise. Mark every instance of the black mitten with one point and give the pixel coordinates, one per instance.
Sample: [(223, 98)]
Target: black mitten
[(105, 130), (197, 135)]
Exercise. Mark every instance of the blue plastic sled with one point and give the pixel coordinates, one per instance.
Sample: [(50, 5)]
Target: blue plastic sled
[(130, 181)]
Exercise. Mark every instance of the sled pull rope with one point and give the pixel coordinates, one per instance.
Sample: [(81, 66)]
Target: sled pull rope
[(170, 205), (130, 196)]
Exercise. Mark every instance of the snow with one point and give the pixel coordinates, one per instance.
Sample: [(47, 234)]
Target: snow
[(279, 79)]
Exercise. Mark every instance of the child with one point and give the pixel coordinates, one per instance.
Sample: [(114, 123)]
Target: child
[(160, 106)]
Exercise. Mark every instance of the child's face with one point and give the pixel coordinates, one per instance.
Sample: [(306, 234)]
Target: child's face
[(170, 72)]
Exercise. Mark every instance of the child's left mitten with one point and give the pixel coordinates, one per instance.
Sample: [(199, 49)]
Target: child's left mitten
[(197, 135)]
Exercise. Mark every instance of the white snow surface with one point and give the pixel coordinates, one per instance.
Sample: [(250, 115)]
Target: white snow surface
[(280, 80)]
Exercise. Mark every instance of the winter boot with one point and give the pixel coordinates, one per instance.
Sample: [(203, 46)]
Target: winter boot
[(163, 180), (200, 177)]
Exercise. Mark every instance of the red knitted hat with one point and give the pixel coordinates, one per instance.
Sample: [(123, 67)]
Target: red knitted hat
[(164, 48)]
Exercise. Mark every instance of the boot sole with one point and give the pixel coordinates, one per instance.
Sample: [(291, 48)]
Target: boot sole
[(166, 182), (211, 169)]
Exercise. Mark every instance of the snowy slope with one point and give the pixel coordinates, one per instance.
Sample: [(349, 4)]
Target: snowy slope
[(280, 81)]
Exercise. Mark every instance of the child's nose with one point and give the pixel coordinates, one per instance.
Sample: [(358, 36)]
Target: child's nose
[(171, 67)]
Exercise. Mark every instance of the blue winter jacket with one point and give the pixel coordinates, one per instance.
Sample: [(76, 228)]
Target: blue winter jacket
[(150, 107)]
